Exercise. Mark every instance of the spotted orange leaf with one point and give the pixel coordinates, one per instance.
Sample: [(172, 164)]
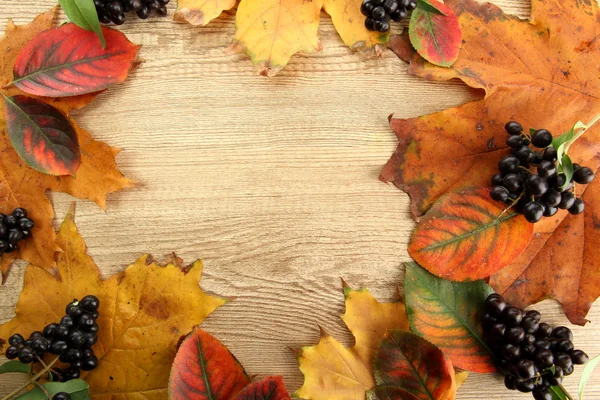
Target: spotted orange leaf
[(205, 370), (448, 314), (144, 311), (467, 236), (408, 363), (42, 136)]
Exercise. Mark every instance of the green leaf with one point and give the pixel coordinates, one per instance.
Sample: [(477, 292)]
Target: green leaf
[(425, 5), (77, 388), (448, 314), (558, 393), (83, 14), (566, 167), (15, 366), (532, 131), (586, 374)]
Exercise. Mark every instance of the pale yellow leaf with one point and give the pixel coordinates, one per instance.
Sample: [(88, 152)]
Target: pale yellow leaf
[(201, 12)]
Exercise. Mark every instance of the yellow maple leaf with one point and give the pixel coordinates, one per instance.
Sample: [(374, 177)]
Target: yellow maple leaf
[(272, 31), (201, 12), (144, 311), (22, 186), (333, 372)]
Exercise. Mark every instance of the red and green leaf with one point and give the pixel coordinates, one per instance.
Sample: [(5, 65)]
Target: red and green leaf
[(407, 362), (435, 35), (43, 137), (269, 388), (466, 236), (205, 370), (448, 314), (389, 393), (70, 61)]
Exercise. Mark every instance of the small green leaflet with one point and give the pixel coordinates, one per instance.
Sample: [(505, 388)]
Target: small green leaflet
[(558, 393), (15, 366), (83, 14), (425, 5), (77, 388), (562, 143), (586, 374)]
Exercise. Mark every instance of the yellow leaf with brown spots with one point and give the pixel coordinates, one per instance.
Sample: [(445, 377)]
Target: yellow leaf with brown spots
[(144, 311), (22, 186), (201, 12), (333, 372)]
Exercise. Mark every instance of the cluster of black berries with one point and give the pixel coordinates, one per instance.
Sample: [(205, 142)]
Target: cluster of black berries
[(531, 355), (71, 339), (380, 12), (14, 228), (114, 10), (541, 193)]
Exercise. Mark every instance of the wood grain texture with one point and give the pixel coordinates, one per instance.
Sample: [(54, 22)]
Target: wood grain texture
[(272, 182)]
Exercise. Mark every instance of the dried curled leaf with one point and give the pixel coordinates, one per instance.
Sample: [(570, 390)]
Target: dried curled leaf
[(527, 71), (144, 311), (97, 175), (333, 372)]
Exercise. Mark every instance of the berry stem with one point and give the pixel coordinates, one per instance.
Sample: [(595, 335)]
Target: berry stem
[(565, 392), (31, 380), (515, 201), (44, 390)]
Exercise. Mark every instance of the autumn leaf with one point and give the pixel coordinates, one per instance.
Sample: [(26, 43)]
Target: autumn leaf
[(144, 311), (448, 314), (201, 12), (467, 236), (543, 73), (413, 369), (205, 369), (332, 371), (22, 186)]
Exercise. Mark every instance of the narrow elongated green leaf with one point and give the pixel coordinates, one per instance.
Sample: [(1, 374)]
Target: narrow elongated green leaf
[(77, 388), (558, 393), (15, 366), (586, 374), (448, 314), (83, 14)]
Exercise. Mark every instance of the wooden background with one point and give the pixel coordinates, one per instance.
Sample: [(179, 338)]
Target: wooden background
[(271, 181)]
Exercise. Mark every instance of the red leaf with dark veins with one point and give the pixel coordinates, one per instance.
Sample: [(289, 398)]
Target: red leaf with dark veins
[(70, 61), (43, 137), (269, 388)]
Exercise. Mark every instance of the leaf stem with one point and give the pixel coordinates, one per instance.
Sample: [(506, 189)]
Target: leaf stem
[(566, 393), (581, 132), (515, 201), (31, 380)]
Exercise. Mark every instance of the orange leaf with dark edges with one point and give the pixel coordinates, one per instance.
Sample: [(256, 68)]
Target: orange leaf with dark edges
[(467, 236), (22, 186), (544, 74)]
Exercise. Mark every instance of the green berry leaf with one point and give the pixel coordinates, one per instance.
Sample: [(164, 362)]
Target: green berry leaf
[(83, 14), (559, 393), (77, 388), (435, 33), (427, 6), (448, 314), (566, 167), (586, 374), (15, 366)]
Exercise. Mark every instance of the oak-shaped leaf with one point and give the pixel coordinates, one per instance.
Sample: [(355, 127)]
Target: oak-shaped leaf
[(97, 175), (527, 71), (70, 61), (467, 236), (333, 372), (144, 311), (413, 369), (42, 136), (448, 314), (435, 33)]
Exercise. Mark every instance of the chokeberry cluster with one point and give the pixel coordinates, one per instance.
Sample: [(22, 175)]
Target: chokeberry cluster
[(14, 228), (531, 354), (540, 193), (71, 339), (380, 12), (114, 10)]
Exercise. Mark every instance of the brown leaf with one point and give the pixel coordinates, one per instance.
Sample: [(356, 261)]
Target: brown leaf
[(144, 311), (544, 74), (21, 186)]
